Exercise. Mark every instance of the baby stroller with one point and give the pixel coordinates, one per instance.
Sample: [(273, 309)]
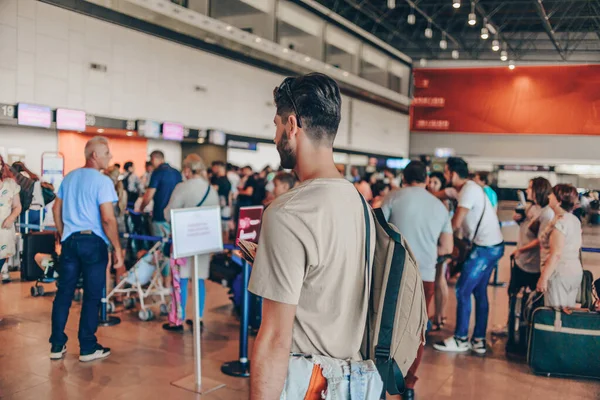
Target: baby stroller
[(51, 265), (145, 279)]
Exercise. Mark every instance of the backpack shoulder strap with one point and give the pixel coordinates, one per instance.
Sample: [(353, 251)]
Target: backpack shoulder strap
[(391, 375), (205, 196), (482, 215), (368, 271)]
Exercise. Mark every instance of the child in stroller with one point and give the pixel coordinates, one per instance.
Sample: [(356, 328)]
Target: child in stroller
[(50, 264)]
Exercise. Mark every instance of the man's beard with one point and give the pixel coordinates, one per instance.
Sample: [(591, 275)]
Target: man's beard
[(287, 155)]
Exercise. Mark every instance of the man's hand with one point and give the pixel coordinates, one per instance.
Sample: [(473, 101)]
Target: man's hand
[(8, 222), (118, 257), (516, 253)]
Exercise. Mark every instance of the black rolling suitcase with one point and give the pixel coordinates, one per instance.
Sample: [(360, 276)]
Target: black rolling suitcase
[(562, 344), (33, 243)]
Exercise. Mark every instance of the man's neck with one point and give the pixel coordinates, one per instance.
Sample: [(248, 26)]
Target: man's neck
[(317, 163), (416, 184), (460, 184), (91, 164)]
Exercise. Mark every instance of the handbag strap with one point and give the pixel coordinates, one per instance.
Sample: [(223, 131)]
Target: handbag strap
[(482, 214), (367, 269), (205, 195)]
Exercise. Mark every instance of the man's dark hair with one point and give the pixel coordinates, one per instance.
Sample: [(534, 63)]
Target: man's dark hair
[(318, 102), (148, 163), (218, 164), (415, 172), (458, 165), (285, 177), (128, 165), (484, 176), (157, 153), (248, 167), (117, 165), (566, 195)]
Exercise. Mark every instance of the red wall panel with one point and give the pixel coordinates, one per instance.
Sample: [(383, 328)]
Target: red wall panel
[(531, 100)]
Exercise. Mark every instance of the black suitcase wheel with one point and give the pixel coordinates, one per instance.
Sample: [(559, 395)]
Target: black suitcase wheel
[(33, 291)]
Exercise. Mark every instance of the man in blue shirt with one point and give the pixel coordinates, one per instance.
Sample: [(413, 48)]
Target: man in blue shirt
[(162, 183), (85, 219)]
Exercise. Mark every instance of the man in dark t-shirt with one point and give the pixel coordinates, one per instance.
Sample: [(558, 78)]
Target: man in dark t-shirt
[(162, 183), (247, 187), (219, 179)]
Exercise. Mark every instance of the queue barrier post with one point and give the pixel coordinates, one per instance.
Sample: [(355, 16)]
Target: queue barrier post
[(241, 367)]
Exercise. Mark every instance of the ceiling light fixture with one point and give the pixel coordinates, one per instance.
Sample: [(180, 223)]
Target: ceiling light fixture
[(472, 15), (485, 33), (455, 54), (307, 59), (443, 42), (456, 3), (429, 31), (495, 45), (391, 4), (503, 55), (423, 62), (511, 65), (412, 18), (100, 130)]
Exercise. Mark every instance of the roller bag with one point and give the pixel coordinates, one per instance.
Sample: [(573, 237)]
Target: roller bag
[(565, 344), (223, 270), (34, 243)]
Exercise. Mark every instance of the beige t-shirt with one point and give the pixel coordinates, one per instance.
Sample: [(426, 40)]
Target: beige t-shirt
[(312, 254)]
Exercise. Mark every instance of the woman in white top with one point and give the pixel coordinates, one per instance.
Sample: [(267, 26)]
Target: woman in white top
[(10, 208), (560, 248)]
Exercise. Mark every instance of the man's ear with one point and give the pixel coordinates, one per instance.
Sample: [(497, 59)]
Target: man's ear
[(292, 122)]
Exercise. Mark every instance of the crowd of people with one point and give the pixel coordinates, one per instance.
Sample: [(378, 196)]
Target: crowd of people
[(310, 265)]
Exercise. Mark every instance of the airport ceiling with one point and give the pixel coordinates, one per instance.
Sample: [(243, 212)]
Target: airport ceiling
[(532, 30)]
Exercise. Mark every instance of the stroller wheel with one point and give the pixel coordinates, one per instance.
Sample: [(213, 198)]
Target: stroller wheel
[(110, 307), (33, 291), (164, 310), (146, 315), (77, 296), (129, 303), (40, 290)]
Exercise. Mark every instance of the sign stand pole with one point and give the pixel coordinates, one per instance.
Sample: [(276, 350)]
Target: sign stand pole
[(195, 383)]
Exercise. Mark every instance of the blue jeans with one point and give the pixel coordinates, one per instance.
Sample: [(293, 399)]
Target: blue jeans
[(473, 280), (86, 255)]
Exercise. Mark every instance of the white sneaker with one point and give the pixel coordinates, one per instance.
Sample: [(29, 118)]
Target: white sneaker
[(5, 277), (57, 352), (99, 353), (453, 345), (479, 346)]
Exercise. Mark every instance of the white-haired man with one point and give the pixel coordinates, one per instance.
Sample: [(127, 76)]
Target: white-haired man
[(85, 219)]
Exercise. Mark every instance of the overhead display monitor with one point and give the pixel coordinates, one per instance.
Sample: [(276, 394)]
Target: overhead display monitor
[(217, 137), (172, 131), (149, 129), (34, 115), (70, 120), (397, 163)]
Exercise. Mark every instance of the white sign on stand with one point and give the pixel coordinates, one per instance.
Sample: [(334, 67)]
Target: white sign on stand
[(196, 231)]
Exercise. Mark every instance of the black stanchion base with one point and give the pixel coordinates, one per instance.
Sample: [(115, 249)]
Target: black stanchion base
[(497, 284), (110, 321), (236, 368)]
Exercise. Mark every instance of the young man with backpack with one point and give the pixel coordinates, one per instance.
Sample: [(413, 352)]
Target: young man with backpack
[(313, 265), (310, 265), (478, 221)]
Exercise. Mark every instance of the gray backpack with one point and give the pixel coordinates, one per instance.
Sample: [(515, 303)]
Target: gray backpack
[(397, 315)]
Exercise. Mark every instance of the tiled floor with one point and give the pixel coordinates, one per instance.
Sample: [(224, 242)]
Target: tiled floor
[(146, 360)]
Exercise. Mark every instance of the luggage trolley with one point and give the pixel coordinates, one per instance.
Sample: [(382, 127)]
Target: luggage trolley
[(145, 279)]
